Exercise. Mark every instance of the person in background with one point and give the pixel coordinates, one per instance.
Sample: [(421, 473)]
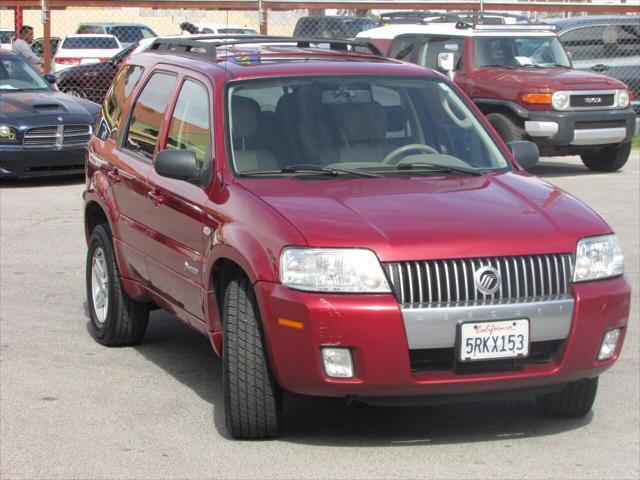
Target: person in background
[(188, 28), (22, 46)]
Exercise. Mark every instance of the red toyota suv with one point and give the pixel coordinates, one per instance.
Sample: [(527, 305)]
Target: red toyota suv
[(344, 225), (522, 79)]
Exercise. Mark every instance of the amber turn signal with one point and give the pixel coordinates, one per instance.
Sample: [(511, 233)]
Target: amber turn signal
[(539, 98), (284, 322)]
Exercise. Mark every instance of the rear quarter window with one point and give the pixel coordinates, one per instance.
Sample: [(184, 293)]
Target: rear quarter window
[(112, 108)]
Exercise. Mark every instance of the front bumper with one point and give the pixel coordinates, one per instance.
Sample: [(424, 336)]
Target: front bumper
[(373, 327), (581, 129), (16, 161)]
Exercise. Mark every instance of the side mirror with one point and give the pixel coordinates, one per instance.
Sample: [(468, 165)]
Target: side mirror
[(446, 61), (526, 153), (178, 164), (51, 78)]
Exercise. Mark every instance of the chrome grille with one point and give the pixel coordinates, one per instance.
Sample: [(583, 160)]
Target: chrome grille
[(57, 135), (453, 281)]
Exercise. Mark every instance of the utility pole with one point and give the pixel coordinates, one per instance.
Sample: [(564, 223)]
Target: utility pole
[(46, 41)]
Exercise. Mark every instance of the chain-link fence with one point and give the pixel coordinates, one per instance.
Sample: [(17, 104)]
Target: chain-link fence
[(85, 65)]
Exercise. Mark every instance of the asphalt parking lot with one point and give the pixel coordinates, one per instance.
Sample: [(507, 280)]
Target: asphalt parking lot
[(70, 408)]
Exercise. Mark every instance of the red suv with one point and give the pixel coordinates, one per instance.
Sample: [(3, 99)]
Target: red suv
[(343, 225), (522, 79)]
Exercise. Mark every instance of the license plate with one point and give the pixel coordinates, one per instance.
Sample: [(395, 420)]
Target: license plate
[(493, 340)]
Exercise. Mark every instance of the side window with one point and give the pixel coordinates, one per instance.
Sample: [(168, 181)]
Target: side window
[(402, 48), (628, 40), (430, 48), (122, 87), (148, 114), (585, 43), (190, 127)]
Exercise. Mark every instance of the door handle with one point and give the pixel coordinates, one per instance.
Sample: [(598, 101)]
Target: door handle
[(114, 176), (156, 197), (600, 68)]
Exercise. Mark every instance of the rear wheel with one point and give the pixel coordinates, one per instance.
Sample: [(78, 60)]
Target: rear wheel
[(116, 319), (251, 396), (609, 159), (574, 401), (506, 127)]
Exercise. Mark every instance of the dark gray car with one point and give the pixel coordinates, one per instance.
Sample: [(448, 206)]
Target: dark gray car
[(605, 44)]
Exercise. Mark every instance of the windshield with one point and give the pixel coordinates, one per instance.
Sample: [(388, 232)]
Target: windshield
[(90, 43), (381, 125), (130, 33), (16, 74), (511, 52)]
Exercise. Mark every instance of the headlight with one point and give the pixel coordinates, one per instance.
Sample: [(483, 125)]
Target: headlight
[(560, 100), (622, 98), (332, 270), (598, 257), (8, 134)]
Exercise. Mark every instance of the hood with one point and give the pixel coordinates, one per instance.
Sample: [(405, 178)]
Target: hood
[(29, 106), (433, 217), (553, 78)]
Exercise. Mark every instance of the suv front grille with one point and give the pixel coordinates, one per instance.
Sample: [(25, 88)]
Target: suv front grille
[(594, 100), (601, 124), (453, 281), (57, 135)]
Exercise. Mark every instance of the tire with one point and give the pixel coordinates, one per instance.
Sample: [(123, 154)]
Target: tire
[(609, 159), (116, 319), (506, 127), (574, 401), (251, 396)]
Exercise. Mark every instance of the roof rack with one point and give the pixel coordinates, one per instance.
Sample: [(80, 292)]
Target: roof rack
[(486, 18), (518, 26), (406, 16), (203, 48)]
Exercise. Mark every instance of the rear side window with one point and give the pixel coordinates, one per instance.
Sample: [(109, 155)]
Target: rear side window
[(79, 43), (190, 127), (148, 114), (584, 43), (430, 48), (123, 85), (402, 48)]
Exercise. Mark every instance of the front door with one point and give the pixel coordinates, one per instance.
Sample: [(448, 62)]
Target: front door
[(176, 226)]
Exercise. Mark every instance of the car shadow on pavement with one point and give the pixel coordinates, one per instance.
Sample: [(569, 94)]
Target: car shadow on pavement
[(188, 357), (37, 182), (558, 168)]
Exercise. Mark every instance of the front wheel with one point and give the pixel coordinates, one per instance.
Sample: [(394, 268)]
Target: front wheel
[(574, 401), (507, 127), (609, 159), (251, 396), (116, 319)]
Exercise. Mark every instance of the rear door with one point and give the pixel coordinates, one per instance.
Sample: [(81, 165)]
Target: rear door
[(176, 221), (133, 164)]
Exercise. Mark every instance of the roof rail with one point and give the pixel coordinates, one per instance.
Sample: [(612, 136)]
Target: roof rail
[(517, 26), (406, 16), (204, 48), (480, 18)]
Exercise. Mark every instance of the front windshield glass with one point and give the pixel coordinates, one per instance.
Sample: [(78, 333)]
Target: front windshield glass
[(17, 74), (513, 52), (381, 125)]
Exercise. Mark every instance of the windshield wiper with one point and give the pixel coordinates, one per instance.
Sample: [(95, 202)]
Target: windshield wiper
[(434, 167), (327, 170), (302, 168)]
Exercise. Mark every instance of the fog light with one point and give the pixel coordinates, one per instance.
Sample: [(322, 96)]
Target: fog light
[(609, 343), (337, 362)]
